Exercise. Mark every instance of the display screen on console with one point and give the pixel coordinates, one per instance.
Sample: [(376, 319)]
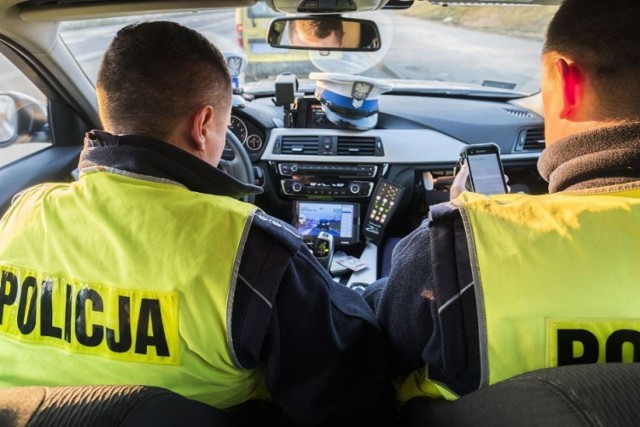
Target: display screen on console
[(341, 220)]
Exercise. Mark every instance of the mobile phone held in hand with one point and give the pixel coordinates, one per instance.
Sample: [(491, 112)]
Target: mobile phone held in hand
[(486, 175)]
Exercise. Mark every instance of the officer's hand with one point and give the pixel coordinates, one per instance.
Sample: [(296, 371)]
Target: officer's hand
[(459, 182)]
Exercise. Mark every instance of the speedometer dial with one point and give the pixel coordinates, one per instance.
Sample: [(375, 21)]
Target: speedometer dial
[(239, 128)]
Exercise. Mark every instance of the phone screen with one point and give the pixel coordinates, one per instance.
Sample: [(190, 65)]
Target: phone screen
[(486, 173), (384, 201)]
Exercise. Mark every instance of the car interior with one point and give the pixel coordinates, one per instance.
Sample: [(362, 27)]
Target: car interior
[(352, 190)]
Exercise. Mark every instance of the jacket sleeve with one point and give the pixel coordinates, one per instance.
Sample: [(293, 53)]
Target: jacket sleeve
[(427, 308), (323, 350), (405, 302)]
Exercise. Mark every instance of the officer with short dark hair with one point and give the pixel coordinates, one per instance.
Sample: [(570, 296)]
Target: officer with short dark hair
[(148, 270)]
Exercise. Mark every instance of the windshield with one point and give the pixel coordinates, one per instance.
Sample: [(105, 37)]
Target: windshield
[(424, 47)]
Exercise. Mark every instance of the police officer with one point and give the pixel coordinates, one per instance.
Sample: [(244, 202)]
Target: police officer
[(148, 270), (492, 287)]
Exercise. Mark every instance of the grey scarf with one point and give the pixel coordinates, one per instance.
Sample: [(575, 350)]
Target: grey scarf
[(598, 158)]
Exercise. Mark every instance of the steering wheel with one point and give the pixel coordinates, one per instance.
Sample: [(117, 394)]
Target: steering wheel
[(240, 167)]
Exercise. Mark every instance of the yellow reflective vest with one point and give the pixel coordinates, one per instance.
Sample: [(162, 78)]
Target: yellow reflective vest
[(556, 280), (116, 279)]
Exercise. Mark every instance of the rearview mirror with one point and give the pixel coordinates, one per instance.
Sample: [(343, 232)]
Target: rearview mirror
[(324, 33), (8, 120)]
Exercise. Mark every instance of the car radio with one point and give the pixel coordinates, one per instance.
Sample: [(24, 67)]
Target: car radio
[(306, 186), (361, 171), (336, 181)]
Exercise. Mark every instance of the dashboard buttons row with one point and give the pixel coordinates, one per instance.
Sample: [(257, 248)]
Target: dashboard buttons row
[(360, 171), (293, 187)]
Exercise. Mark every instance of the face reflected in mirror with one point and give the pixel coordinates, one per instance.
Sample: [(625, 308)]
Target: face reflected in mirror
[(316, 33), (324, 33)]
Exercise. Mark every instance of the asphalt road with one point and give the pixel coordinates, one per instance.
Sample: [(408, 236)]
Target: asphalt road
[(431, 50)]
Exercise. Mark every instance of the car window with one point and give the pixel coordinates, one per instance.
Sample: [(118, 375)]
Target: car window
[(425, 48), (24, 128)]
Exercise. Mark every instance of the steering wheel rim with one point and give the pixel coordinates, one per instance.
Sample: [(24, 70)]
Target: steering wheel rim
[(240, 167)]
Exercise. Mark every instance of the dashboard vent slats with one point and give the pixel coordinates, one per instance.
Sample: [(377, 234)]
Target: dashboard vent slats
[(519, 113), (531, 140), (356, 146), (325, 145), (300, 144)]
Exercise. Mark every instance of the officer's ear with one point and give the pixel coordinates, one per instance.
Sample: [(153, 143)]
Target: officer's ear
[(202, 127), (572, 83)]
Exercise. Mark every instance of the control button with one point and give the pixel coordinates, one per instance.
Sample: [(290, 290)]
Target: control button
[(285, 169), (327, 143), (296, 186), (354, 188), (294, 168)]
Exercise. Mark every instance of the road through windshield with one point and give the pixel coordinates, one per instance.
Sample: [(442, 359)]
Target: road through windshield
[(417, 45)]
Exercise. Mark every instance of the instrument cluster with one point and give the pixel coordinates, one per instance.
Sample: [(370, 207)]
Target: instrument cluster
[(248, 134)]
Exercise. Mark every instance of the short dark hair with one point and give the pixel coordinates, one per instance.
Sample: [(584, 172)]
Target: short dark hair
[(603, 36), (154, 74)]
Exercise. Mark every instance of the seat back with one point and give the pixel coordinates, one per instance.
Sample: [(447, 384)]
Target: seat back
[(580, 395), (108, 405)]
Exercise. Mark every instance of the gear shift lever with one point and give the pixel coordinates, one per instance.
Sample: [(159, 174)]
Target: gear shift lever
[(323, 249)]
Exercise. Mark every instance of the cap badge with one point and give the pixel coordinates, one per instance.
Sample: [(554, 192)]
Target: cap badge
[(359, 92)]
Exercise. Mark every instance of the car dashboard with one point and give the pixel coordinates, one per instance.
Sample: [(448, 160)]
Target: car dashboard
[(415, 145)]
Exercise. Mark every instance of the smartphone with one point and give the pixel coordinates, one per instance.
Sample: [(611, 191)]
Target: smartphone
[(486, 175)]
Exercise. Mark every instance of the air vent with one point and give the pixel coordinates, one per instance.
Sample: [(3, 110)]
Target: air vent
[(531, 140), (359, 146), (519, 113), (300, 144)]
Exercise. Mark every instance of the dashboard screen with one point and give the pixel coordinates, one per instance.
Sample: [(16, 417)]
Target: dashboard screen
[(341, 220)]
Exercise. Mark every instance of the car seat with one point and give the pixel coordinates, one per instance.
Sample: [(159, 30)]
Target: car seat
[(118, 405), (580, 395)]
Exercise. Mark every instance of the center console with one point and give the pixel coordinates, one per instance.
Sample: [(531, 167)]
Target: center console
[(338, 181), (329, 175)]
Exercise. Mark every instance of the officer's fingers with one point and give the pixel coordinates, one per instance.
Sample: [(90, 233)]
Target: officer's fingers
[(506, 180), (459, 182)]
